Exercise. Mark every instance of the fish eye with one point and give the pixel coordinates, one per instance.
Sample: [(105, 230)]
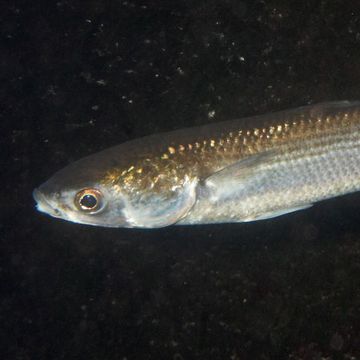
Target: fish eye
[(89, 200)]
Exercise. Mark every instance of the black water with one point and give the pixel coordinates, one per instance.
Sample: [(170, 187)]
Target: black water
[(79, 76)]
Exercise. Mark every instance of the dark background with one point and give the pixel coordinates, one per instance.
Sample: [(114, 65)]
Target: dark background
[(79, 76)]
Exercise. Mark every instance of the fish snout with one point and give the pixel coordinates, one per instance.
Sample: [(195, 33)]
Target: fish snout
[(45, 205)]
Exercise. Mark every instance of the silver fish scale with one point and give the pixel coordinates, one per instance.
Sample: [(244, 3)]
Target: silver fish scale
[(293, 180)]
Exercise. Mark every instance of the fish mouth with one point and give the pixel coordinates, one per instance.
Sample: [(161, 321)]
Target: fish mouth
[(43, 204)]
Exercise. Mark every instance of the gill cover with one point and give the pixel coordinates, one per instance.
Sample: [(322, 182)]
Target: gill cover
[(162, 209)]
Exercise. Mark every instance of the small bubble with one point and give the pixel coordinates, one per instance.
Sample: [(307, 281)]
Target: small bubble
[(211, 114)]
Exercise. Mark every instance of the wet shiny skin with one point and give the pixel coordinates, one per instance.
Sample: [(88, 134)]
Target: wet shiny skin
[(242, 170)]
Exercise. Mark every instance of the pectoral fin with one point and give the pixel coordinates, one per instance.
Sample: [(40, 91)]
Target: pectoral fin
[(236, 176)]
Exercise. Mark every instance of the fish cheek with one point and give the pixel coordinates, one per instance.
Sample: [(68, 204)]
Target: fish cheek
[(160, 210), (103, 218)]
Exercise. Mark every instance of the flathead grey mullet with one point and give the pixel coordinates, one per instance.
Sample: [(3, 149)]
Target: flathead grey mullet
[(235, 171)]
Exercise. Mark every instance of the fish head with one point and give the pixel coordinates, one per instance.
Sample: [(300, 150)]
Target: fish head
[(78, 194), (101, 191), (90, 205)]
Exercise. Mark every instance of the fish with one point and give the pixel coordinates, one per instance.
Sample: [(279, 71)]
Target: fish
[(235, 171)]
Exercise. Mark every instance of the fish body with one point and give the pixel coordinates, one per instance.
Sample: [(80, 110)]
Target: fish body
[(241, 170)]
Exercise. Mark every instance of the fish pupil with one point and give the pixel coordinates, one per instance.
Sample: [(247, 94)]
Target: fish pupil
[(88, 201)]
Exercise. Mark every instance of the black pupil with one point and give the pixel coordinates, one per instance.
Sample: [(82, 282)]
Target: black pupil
[(88, 201)]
